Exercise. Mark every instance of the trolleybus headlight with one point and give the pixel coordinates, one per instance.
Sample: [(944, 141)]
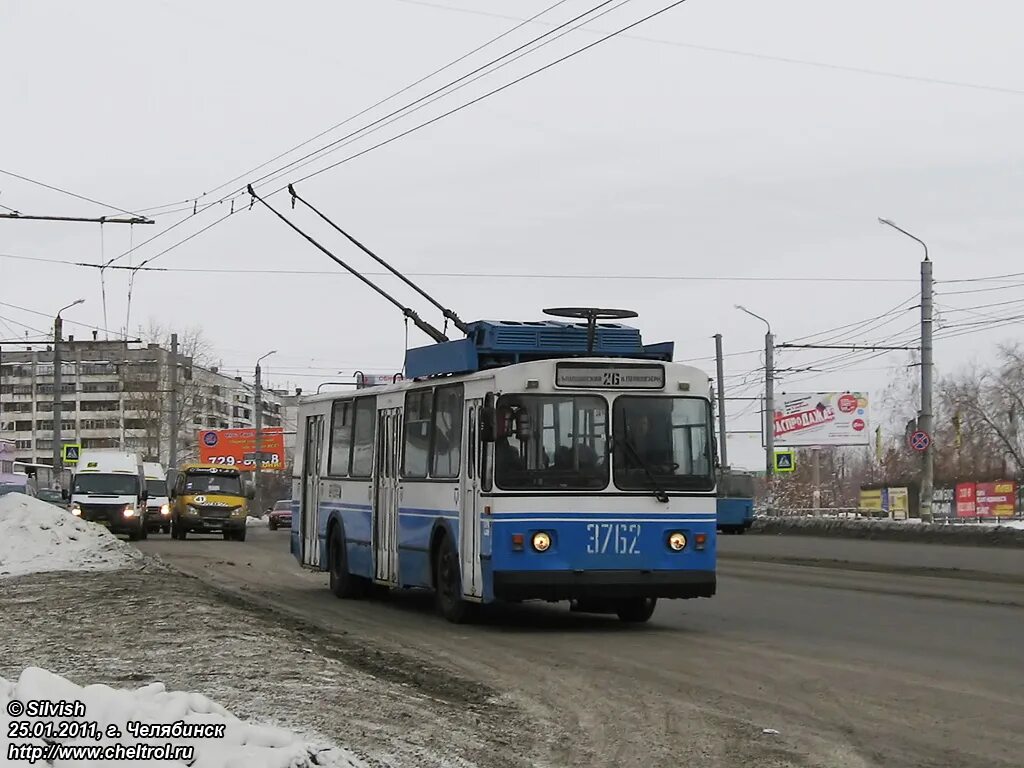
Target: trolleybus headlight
[(129, 511), (676, 541), (165, 509), (541, 541), (76, 510)]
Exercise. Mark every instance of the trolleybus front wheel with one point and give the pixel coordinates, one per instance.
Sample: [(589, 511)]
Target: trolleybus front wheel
[(448, 583), (637, 610)]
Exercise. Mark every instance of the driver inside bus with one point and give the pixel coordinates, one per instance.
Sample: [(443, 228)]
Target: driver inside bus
[(641, 435), (506, 457)]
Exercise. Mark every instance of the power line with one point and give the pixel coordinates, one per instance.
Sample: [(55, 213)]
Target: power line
[(485, 275), (66, 192), (456, 85), (238, 192), (755, 55), (64, 319)]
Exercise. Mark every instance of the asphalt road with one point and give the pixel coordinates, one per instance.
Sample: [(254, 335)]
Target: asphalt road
[(853, 663)]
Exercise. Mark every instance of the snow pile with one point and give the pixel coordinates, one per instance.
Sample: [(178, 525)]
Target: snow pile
[(237, 745), (36, 536), (256, 522), (1010, 533)]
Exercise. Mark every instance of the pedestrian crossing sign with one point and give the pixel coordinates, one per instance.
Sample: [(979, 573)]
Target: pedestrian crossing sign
[(70, 452), (785, 461)]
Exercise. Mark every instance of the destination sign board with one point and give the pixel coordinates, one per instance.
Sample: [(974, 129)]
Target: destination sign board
[(591, 376)]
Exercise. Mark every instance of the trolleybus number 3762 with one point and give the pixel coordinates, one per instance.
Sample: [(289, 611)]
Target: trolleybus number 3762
[(613, 538)]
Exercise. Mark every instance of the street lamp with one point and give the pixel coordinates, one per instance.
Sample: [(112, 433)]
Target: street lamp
[(58, 327), (924, 420), (258, 405), (769, 395)]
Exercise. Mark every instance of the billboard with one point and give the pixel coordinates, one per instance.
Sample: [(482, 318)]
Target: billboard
[(822, 418), (996, 499), (237, 447), (942, 502), (899, 503), (871, 499), (965, 500)]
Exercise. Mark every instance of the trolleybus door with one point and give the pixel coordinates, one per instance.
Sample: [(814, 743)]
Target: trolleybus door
[(385, 496), (469, 507), (311, 456)]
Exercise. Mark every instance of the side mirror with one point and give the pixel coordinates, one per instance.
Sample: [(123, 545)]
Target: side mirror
[(250, 492), (171, 492), (64, 494), (487, 424), (144, 495)]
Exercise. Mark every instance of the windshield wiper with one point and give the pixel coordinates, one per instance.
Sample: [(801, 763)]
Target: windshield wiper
[(659, 493)]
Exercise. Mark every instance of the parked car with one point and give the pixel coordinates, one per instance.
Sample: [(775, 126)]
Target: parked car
[(280, 515), (53, 496)]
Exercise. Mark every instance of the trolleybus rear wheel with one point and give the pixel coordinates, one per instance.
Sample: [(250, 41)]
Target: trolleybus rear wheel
[(637, 610), (343, 583), (448, 583)]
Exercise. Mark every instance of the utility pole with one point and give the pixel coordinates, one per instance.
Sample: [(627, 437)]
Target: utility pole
[(720, 365), (172, 440), (769, 405), (58, 327), (258, 405), (924, 420)]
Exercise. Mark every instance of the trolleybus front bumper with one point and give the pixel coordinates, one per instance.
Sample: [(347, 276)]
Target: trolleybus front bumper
[(583, 585)]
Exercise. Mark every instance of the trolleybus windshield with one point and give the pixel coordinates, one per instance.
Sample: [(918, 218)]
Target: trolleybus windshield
[(555, 442), (670, 440)]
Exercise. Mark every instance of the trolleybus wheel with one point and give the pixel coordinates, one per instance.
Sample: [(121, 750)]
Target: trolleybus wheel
[(637, 610), (343, 583), (449, 585)]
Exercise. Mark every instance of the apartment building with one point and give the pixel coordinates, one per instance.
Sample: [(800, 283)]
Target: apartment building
[(117, 395)]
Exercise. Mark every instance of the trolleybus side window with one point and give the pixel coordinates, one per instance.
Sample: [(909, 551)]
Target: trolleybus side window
[(417, 433), (551, 441), (667, 437), (447, 449), (363, 429), (341, 438)]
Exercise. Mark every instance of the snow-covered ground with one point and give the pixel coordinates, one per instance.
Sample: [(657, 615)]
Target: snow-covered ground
[(36, 536), (233, 742), (256, 522)]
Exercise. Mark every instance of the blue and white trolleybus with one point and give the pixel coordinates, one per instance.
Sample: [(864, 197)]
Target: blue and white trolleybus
[(546, 460)]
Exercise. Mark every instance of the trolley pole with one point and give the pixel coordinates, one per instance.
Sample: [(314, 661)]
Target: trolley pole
[(723, 453), (172, 440)]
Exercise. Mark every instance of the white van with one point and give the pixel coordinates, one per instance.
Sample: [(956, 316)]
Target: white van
[(109, 488), (158, 506)]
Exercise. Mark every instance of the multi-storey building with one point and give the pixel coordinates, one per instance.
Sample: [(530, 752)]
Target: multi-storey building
[(117, 395)]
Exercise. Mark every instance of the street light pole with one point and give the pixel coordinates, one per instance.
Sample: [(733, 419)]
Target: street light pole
[(258, 405), (769, 396), (925, 416), (58, 328)]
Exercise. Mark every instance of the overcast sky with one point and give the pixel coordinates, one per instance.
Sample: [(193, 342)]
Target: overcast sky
[(651, 155)]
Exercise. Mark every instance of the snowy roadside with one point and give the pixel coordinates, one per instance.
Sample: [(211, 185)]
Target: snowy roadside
[(84, 615), (128, 629)]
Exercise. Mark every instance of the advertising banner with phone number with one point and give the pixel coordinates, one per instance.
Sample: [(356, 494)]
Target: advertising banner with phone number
[(237, 447)]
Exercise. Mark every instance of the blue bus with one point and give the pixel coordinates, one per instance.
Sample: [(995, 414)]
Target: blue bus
[(505, 469), (735, 501)]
